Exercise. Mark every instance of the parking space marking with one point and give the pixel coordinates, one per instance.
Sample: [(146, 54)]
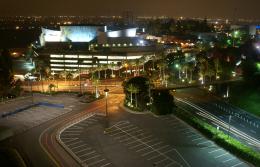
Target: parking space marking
[(215, 150), (230, 159), (88, 148), (105, 165), (91, 158), (237, 164), (74, 143), (193, 135), (83, 155), (139, 141), (78, 146), (96, 162), (197, 139), (204, 142), (221, 155)]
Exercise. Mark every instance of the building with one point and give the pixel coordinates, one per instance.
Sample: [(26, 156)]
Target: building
[(70, 48)]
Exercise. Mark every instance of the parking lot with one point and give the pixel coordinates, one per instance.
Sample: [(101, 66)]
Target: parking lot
[(31, 117), (34, 116), (80, 149), (146, 145), (206, 146)]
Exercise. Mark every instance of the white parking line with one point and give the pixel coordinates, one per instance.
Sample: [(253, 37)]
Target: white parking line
[(228, 160), (215, 150), (204, 142), (149, 153), (83, 155), (78, 146), (71, 139), (193, 135), (158, 162), (208, 146), (189, 131), (238, 164), (128, 130), (91, 158), (221, 155), (169, 150), (153, 157), (136, 146), (96, 162), (197, 139), (74, 143), (105, 165), (88, 148)]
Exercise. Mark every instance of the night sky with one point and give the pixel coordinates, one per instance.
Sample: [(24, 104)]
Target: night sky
[(187, 8)]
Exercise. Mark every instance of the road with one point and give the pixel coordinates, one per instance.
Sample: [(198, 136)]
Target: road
[(244, 126)]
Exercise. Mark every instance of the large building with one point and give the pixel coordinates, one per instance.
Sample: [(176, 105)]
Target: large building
[(72, 47)]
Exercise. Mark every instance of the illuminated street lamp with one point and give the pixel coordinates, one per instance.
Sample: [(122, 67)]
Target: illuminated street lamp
[(106, 94)]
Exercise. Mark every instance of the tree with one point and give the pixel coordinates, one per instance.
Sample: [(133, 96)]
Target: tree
[(131, 88), (96, 83), (6, 73)]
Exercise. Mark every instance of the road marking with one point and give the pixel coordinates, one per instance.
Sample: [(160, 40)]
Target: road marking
[(78, 146), (71, 139), (74, 143), (83, 155), (158, 162), (214, 150), (91, 158), (197, 139), (149, 153), (188, 132), (105, 165), (88, 148), (96, 162), (208, 146), (204, 142), (228, 160), (153, 156), (237, 164), (169, 150), (193, 135), (136, 145), (221, 155)]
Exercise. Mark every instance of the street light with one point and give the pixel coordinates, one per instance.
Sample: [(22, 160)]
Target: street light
[(106, 94)]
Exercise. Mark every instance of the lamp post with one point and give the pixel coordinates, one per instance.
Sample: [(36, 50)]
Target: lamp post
[(229, 120), (106, 94)]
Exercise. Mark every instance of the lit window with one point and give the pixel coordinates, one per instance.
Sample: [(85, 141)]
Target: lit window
[(56, 61), (56, 56), (57, 65), (71, 65), (71, 61), (57, 69), (71, 56), (85, 56)]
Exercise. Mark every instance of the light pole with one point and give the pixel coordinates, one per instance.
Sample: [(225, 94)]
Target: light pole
[(106, 94), (229, 120)]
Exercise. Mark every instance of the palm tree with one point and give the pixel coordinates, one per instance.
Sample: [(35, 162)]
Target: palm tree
[(96, 83), (131, 88), (112, 66), (136, 90)]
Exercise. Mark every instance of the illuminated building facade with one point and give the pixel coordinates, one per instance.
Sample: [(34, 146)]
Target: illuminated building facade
[(81, 47)]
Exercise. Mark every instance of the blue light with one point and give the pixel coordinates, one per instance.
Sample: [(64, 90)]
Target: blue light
[(257, 27)]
